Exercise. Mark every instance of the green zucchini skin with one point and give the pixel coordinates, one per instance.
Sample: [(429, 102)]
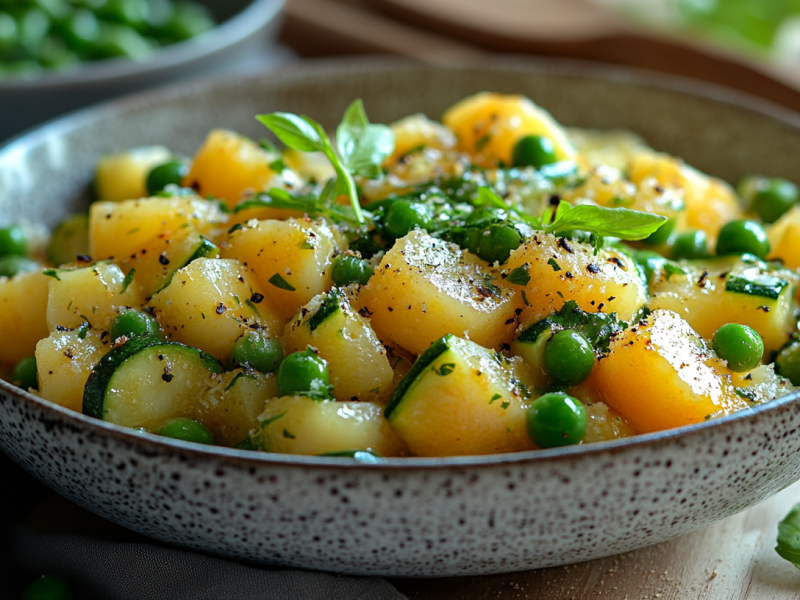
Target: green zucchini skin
[(423, 362), (95, 391), (330, 306)]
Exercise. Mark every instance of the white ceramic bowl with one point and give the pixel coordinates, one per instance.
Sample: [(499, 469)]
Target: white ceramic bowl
[(405, 517)]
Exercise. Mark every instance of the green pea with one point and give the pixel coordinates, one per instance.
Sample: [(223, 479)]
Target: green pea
[(347, 269), (739, 345), (133, 13), (254, 350), (303, 372), (80, 30), (690, 244), (133, 324), (13, 241), (497, 242), (404, 216), (556, 419), (743, 237), (169, 173), (188, 20), (120, 41), (534, 151), (48, 587), (25, 374), (13, 265), (33, 26), (568, 357), (187, 430), (161, 13), (769, 198), (787, 363), (9, 34), (487, 213), (651, 262), (661, 235)]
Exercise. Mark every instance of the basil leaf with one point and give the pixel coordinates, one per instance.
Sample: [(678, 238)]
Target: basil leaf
[(519, 276), (622, 223), (362, 145), (280, 283), (789, 537), (488, 197), (296, 132)]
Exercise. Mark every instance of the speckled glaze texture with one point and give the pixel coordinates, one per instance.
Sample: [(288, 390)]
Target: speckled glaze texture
[(405, 517)]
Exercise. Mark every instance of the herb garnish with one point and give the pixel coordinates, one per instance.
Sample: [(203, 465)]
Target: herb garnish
[(280, 282), (519, 276), (362, 147), (622, 223)]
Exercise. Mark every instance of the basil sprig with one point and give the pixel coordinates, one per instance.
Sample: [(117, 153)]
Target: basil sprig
[(622, 223), (362, 148), (789, 537)]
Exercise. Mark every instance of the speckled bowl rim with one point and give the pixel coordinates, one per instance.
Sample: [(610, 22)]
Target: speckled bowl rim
[(558, 67), (240, 26)]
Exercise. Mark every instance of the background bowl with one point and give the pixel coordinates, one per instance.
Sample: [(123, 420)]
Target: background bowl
[(404, 517), (244, 26)]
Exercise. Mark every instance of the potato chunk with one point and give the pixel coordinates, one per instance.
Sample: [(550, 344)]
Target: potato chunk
[(710, 202), (291, 259), (425, 288), (300, 425), (94, 294), (359, 368), (210, 303), (561, 270), (23, 315), (65, 360), (784, 237), (231, 409), (488, 126), (229, 166), (660, 374), (713, 292), (133, 227), (122, 176), (418, 130)]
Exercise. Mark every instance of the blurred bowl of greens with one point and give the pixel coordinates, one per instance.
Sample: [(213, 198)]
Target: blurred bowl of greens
[(58, 55)]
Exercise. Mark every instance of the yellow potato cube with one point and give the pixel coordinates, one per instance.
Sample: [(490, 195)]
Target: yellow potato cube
[(291, 260), (94, 294), (210, 303), (65, 361), (488, 127), (661, 374), (122, 176), (425, 288), (23, 315)]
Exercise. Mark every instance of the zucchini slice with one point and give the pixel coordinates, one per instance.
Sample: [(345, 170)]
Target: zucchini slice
[(147, 382), (458, 399)]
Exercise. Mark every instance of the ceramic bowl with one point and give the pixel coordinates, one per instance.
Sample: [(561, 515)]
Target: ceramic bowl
[(405, 517), (244, 25)]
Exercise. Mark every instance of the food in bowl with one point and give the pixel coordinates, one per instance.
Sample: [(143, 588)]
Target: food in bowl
[(492, 283), (39, 35)]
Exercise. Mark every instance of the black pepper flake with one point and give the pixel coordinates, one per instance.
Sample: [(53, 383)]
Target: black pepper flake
[(518, 311), (504, 347), (600, 306), (83, 258), (365, 312), (618, 262), (563, 243), (723, 275), (569, 275), (257, 298), (167, 376), (391, 309), (764, 307), (510, 321), (62, 328), (749, 377), (593, 268), (611, 298), (221, 308), (702, 281), (163, 259)]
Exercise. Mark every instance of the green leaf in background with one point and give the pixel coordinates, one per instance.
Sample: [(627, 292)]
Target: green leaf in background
[(789, 537), (296, 132), (362, 145), (622, 223)]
